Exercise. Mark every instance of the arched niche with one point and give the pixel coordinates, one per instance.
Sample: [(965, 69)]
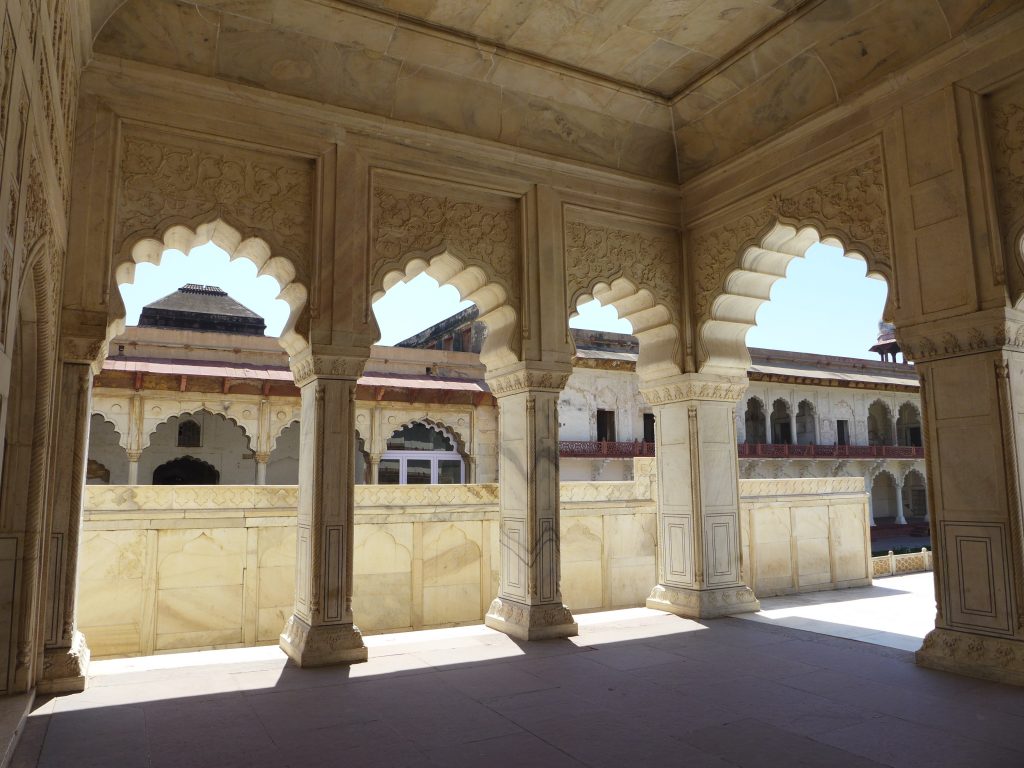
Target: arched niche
[(880, 423), (474, 284), (731, 309), (885, 501), (224, 445), (908, 425), (755, 422), (806, 423), (781, 422), (181, 237)]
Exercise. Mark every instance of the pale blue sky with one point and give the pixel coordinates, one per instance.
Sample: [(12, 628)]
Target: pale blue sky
[(826, 304)]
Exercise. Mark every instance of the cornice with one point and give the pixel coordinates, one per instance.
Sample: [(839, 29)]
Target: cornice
[(988, 331)]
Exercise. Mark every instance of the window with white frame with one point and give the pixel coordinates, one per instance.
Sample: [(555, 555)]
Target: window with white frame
[(419, 454)]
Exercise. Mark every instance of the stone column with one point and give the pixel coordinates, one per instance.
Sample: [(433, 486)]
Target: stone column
[(262, 459), (901, 519), (133, 467), (972, 398), (66, 655), (698, 497), (320, 630), (374, 463), (529, 602), (792, 427)]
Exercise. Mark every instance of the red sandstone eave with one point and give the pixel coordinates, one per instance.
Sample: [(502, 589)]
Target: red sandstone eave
[(226, 378)]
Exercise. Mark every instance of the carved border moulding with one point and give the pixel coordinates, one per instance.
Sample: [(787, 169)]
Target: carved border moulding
[(527, 379), (850, 204), (682, 388), (982, 656), (986, 331), (602, 247), (167, 179), (416, 220), (1006, 121), (308, 366)]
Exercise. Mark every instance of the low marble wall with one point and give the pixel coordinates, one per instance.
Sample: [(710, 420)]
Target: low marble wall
[(166, 568), (804, 534)]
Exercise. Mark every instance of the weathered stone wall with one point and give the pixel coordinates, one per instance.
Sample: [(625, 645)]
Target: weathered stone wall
[(175, 568)]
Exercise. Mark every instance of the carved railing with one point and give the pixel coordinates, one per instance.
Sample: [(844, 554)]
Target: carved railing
[(897, 565), (595, 449), (785, 451)]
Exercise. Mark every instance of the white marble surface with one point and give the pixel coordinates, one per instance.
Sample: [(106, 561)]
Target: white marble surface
[(896, 612)]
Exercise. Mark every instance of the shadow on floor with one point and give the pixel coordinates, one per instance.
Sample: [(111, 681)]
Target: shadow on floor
[(645, 691)]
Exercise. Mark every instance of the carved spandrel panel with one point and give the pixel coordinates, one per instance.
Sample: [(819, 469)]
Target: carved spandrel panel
[(167, 179), (600, 249), (421, 222)]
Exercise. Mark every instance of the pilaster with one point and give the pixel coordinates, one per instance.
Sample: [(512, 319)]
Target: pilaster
[(529, 602), (972, 397), (321, 629), (698, 509)]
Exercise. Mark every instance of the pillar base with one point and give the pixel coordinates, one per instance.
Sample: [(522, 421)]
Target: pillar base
[(322, 645), (65, 670), (965, 653), (530, 622), (703, 603)]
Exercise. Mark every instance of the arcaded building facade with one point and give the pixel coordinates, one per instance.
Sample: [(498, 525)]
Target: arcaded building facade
[(667, 161)]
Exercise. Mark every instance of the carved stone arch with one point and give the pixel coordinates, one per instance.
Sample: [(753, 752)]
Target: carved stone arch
[(181, 237), (121, 437), (634, 267), (467, 239), (186, 410), (874, 473), (913, 470), (280, 431), (458, 439), (737, 255)]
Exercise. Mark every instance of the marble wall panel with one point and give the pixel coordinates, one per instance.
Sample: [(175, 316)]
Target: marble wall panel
[(582, 562), (451, 572)]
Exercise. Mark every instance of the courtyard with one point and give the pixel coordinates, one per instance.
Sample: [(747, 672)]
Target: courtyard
[(636, 687)]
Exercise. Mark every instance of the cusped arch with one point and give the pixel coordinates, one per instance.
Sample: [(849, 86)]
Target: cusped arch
[(104, 419), (733, 311), (491, 295), (183, 410), (180, 237), (452, 433), (276, 434), (652, 322)]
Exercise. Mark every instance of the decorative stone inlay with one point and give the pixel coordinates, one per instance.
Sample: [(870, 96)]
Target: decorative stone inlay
[(168, 180), (681, 388), (993, 658), (407, 223), (595, 253), (524, 379), (850, 204), (307, 366), (986, 331), (1007, 141)]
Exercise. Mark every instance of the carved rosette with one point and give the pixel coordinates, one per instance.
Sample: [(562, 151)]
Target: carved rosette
[(407, 224), (307, 366), (528, 379), (981, 332), (849, 204), (1007, 142), (595, 253), (168, 180)]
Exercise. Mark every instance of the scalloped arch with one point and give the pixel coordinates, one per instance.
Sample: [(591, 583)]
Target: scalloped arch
[(104, 420), (474, 284), (652, 323), (914, 471), (186, 411), (285, 426), (747, 288), (453, 434), (180, 237)]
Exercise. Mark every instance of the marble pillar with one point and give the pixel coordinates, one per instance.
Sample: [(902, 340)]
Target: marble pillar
[(698, 497), (321, 631), (65, 653), (972, 393), (529, 602), (262, 459)]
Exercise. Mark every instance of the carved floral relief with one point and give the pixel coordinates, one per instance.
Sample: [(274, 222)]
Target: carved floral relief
[(168, 180), (1006, 122)]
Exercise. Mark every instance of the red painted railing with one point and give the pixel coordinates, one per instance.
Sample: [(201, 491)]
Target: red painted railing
[(592, 449), (783, 451)]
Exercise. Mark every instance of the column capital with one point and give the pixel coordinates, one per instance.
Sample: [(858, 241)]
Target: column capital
[(261, 457), (691, 386), (308, 365), (522, 377), (82, 350), (991, 330)]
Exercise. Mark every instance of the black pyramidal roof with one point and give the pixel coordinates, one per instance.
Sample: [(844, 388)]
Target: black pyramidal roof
[(202, 308)]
